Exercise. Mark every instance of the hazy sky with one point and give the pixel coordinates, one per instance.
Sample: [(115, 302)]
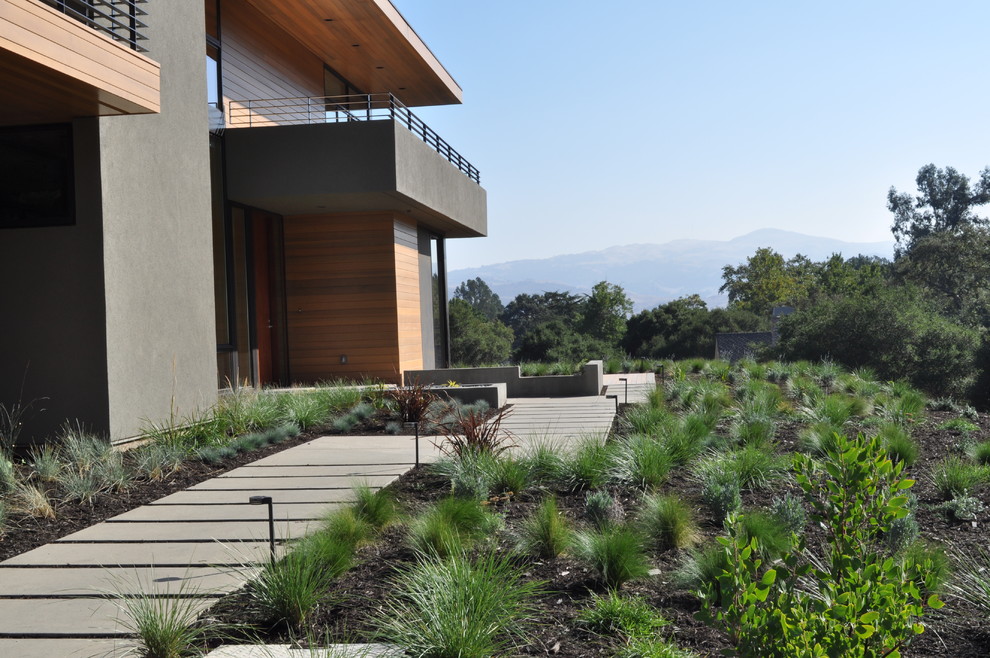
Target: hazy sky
[(599, 124)]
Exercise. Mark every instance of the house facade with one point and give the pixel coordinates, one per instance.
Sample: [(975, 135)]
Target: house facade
[(173, 224)]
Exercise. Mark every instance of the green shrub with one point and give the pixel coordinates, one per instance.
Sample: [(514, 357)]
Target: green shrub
[(928, 565), (720, 492), (960, 425), (667, 522), (699, 571), (970, 580), (617, 554), (346, 525), (345, 423), (789, 512), (287, 591), (902, 533), (980, 452), (641, 461), (602, 510), (164, 626), (962, 507), (615, 614), (45, 462), (587, 467), (755, 430), (818, 439), (898, 443), (545, 533), (458, 607), (376, 508), (544, 463), (648, 419), (8, 475), (955, 477), (450, 525), (773, 539), (751, 466), (863, 603)]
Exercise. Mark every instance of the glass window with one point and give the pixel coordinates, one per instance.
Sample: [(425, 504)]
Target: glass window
[(36, 177)]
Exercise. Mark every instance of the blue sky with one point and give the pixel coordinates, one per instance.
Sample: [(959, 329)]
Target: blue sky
[(599, 124)]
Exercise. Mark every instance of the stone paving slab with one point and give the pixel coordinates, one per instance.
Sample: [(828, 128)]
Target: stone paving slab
[(290, 470), (208, 497), (151, 554), (65, 648), (92, 581), (352, 450), (213, 531), (302, 482), (210, 513), (61, 616)]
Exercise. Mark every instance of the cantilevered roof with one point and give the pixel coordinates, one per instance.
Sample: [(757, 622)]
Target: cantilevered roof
[(370, 44)]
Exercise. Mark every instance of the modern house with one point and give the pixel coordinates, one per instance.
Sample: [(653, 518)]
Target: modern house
[(173, 224)]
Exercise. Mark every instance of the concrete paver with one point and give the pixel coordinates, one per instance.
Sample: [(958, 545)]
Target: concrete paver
[(151, 554), (210, 513), (240, 497), (93, 581), (101, 617), (283, 482), (65, 647), (223, 531)]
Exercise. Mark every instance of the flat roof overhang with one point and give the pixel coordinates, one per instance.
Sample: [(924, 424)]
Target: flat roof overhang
[(53, 69), (370, 44), (368, 166)]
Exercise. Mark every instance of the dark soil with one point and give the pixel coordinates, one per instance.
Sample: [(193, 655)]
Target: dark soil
[(25, 532), (348, 610)]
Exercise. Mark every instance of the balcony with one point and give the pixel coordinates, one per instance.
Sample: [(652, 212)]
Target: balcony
[(62, 59), (364, 153), (343, 109), (118, 19)]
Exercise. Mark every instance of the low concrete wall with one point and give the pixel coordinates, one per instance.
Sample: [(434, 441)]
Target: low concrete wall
[(493, 394), (588, 382)]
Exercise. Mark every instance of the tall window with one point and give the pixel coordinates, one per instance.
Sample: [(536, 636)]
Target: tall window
[(441, 329), (214, 77)]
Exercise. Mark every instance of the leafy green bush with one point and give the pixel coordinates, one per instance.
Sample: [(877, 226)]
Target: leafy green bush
[(865, 603)]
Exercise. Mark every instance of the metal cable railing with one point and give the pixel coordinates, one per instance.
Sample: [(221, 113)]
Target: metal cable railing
[(118, 19), (342, 109)]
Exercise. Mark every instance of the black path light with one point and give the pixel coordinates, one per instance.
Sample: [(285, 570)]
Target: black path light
[(616, 398), (267, 500), (626, 380)]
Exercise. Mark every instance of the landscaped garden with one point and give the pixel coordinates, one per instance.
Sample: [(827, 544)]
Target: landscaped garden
[(767, 509), (771, 510)]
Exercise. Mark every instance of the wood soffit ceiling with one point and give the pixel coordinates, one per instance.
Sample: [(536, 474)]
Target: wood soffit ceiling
[(388, 55)]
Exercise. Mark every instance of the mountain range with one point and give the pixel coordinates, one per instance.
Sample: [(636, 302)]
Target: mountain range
[(652, 274)]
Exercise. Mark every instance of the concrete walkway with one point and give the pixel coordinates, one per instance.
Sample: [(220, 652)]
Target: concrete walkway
[(205, 541)]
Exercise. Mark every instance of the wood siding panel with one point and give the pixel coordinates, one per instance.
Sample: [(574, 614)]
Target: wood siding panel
[(407, 296), (92, 74), (260, 60), (341, 297)]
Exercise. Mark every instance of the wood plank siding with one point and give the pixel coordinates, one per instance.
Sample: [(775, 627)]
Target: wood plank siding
[(53, 68), (352, 288), (260, 60)]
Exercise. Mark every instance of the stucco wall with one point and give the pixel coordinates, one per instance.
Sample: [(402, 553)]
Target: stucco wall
[(52, 337), (157, 236)]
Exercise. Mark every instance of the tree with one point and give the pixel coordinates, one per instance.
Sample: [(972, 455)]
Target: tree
[(684, 328), (766, 280), (953, 267), (604, 313), (945, 203), (526, 312), (558, 341), (474, 339), (895, 331), (481, 298)]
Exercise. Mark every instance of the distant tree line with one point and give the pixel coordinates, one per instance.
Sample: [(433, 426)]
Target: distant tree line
[(923, 317)]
